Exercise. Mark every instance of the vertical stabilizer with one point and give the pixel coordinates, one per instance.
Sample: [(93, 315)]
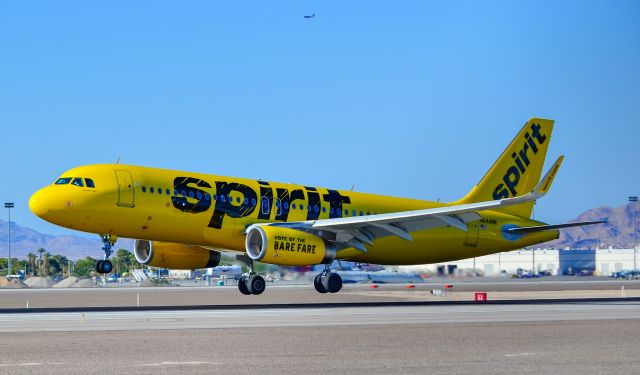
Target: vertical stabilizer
[(517, 170)]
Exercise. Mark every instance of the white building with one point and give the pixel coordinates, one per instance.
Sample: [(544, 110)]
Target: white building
[(554, 261)]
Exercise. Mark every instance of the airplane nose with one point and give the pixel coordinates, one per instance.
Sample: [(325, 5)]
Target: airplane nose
[(38, 203)]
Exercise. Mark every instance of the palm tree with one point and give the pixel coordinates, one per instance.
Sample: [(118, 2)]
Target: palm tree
[(45, 264), (41, 251), (31, 261)]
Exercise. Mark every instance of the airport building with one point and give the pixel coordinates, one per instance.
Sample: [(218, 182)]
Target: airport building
[(551, 261)]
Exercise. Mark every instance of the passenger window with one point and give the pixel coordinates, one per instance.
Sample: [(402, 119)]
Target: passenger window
[(150, 190), (253, 201), (265, 206), (346, 212), (199, 195), (206, 196), (223, 198), (63, 181), (278, 204), (360, 213), (324, 209), (159, 190), (191, 194), (302, 206), (144, 189), (77, 181), (183, 193), (238, 199), (168, 192), (316, 209), (286, 205), (89, 183), (331, 211), (353, 212), (339, 211), (293, 205), (246, 201)]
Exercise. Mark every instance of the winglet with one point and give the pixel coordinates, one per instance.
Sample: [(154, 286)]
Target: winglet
[(545, 184)]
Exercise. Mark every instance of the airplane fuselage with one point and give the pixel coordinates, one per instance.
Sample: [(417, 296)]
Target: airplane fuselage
[(214, 211)]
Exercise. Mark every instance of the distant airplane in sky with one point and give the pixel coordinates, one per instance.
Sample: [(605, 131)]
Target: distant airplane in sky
[(311, 16)]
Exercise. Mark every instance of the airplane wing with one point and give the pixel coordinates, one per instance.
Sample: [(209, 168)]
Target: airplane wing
[(360, 230)]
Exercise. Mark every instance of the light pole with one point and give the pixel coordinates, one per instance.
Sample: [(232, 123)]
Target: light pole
[(634, 200), (9, 206)]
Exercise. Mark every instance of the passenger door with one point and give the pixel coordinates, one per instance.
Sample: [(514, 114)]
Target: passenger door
[(125, 188)]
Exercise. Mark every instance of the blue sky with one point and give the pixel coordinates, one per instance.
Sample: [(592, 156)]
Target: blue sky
[(413, 98)]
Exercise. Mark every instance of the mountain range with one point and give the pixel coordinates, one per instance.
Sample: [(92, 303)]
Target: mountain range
[(26, 240), (617, 233)]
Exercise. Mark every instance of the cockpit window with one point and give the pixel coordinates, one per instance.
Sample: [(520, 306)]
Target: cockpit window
[(89, 183), (63, 181), (77, 181)]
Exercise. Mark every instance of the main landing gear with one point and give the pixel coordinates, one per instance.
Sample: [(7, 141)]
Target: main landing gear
[(105, 265), (327, 281), (251, 283)]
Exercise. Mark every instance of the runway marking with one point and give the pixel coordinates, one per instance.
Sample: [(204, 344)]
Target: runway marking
[(30, 364), (522, 354), (191, 363)]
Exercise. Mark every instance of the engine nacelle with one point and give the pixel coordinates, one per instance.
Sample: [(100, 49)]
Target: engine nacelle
[(174, 255), (287, 247)]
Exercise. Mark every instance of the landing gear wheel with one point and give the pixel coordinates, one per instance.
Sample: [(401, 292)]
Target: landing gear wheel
[(332, 282), (242, 286), (99, 266), (107, 266), (256, 284), (317, 283), (104, 266)]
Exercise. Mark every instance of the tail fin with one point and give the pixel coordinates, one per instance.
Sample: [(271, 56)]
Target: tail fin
[(517, 170)]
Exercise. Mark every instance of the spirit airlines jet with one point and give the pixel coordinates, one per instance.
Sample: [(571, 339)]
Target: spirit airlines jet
[(182, 220)]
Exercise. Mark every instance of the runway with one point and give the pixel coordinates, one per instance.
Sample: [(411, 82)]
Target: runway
[(586, 338), (316, 317), (463, 290), (293, 330)]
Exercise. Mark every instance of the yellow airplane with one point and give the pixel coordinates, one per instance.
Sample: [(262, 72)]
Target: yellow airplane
[(182, 220)]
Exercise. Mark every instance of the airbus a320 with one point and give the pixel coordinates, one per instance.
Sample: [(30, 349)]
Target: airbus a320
[(183, 220)]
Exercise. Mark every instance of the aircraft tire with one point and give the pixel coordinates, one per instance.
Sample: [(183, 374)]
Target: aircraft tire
[(317, 283), (107, 266), (256, 284), (332, 282), (99, 266), (242, 286)]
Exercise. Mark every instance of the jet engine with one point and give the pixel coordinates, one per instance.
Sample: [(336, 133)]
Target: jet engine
[(174, 255), (287, 247)]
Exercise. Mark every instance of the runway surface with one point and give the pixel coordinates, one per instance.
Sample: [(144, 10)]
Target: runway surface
[(463, 289), (315, 317), (361, 331), (569, 338)]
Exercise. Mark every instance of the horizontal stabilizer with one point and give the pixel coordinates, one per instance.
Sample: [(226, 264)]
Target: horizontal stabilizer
[(540, 228)]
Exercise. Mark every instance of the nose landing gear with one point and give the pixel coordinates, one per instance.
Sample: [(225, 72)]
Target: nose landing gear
[(105, 265)]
